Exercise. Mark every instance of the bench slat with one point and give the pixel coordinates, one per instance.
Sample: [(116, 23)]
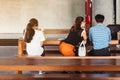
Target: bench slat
[(21, 64), (76, 57), (57, 77), (56, 31)]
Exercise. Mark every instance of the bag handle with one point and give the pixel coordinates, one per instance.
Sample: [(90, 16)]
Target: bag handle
[(82, 43)]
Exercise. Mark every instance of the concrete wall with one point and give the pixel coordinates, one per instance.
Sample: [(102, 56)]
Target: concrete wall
[(118, 12), (14, 14), (104, 7)]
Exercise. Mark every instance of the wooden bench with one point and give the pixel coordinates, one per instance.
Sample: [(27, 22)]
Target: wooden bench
[(11, 39), (52, 42), (108, 63), (54, 32), (58, 77), (8, 42), (53, 38)]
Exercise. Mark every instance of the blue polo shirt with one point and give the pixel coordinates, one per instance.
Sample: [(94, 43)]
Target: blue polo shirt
[(100, 36)]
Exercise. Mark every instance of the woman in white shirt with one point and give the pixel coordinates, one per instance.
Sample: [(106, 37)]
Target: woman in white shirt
[(34, 40)]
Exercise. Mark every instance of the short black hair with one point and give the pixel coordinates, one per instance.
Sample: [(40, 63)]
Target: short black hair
[(99, 18)]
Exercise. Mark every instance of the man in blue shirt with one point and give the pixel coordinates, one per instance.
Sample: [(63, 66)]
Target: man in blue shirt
[(100, 36)]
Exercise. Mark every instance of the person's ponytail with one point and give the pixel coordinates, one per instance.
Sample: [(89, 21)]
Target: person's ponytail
[(29, 33)]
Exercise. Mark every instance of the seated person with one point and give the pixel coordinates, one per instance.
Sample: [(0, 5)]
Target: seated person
[(34, 39), (77, 34), (100, 37)]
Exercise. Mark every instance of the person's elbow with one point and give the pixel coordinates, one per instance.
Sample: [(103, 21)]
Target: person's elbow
[(41, 43)]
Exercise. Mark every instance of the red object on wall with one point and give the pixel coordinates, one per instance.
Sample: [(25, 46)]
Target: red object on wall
[(88, 12)]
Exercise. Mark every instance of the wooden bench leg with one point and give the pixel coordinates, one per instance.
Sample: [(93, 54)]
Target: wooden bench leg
[(18, 72)]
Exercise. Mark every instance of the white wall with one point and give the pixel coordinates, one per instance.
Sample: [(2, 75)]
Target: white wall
[(104, 7), (14, 14), (118, 12)]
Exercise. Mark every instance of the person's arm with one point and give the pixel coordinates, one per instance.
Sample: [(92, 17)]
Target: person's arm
[(84, 35), (90, 36), (42, 38), (109, 35), (41, 43)]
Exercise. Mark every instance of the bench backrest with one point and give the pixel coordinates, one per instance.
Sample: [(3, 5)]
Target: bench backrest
[(56, 31)]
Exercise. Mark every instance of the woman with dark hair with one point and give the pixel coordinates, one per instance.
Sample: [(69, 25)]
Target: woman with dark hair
[(32, 21), (34, 39), (77, 34)]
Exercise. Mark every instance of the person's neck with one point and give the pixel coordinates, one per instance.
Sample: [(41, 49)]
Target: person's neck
[(100, 23)]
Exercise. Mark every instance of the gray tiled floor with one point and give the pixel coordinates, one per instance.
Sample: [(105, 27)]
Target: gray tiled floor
[(11, 51), (8, 51)]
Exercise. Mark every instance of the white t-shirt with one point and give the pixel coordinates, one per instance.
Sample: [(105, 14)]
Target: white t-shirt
[(34, 48)]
